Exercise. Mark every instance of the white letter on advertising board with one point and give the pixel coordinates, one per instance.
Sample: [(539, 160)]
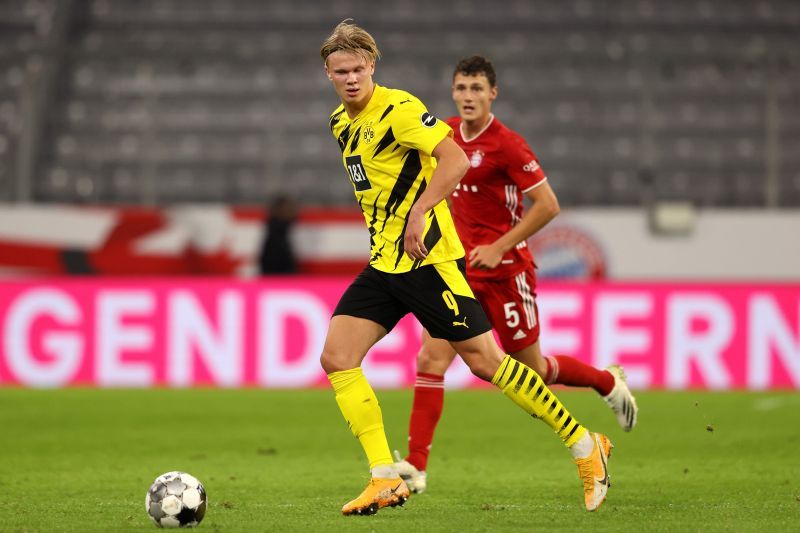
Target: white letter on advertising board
[(64, 348), (217, 342), (704, 348), (114, 337), (612, 338), (771, 334), (554, 305), (286, 361)]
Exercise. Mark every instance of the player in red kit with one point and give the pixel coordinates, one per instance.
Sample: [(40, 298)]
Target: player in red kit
[(494, 228)]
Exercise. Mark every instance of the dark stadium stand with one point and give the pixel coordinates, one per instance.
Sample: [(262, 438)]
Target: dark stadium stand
[(225, 100), (22, 25)]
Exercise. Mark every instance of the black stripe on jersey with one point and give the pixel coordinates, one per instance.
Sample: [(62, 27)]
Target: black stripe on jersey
[(434, 233), (377, 254), (406, 178), (374, 214), (388, 138), (399, 245), (335, 119), (431, 238), (344, 137), (396, 146), (388, 110), (356, 136)]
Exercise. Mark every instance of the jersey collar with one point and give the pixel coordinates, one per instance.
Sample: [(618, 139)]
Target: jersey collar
[(379, 94), (486, 127)]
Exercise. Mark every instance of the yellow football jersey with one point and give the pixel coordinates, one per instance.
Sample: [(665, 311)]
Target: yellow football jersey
[(386, 151)]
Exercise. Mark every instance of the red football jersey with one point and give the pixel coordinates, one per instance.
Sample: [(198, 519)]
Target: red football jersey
[(488, 201)]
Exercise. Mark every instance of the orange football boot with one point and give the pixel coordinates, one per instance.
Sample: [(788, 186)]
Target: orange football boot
[(380, 492), (593, 470)]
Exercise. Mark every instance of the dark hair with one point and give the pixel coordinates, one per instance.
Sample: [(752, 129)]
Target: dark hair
[(472, 66)]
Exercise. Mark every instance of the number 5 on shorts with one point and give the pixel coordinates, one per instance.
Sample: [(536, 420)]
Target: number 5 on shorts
[(512, 315), (450, 302)]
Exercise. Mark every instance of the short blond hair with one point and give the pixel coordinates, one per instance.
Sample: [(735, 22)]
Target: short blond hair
[(348, 37)]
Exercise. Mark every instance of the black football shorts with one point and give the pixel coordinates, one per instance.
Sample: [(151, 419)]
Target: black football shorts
[(438, 295)]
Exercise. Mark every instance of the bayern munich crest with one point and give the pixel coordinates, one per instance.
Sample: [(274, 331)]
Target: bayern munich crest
[(475, 159), (567, 252)]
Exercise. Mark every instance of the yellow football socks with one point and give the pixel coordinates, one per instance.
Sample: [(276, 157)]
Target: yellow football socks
[(527, 389), (360, 408)]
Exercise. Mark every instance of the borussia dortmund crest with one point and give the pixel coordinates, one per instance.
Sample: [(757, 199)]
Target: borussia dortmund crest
[(368, 133)]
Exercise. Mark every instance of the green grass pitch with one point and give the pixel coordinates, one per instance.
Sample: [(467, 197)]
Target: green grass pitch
[(82, 460)]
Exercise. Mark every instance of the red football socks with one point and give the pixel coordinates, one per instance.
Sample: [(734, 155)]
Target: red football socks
[(566, 370), (425, 414)]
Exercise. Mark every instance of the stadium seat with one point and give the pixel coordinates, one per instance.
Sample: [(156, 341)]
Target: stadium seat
[(179, 87)]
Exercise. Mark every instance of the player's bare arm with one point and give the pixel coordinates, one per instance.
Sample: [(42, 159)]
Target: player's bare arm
[(544, 208), (452, 164)]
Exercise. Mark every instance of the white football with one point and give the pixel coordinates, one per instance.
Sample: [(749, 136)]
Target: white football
[(176, 499)]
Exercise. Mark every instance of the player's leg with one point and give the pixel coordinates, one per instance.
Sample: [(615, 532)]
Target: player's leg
[(525, 387), (520, 383), (348, 340), (363, 316), (610, 383), (447, 307), (514, 314), (433, 360)]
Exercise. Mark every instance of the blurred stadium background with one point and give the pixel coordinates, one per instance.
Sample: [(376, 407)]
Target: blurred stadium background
[(673, 115), (163, 101), (141, 142)]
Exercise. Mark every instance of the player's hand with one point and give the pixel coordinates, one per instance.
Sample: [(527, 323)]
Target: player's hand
[(412, 240), (485, 256)]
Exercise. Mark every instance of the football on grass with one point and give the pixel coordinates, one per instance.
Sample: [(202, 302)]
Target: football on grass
[(176, 499)]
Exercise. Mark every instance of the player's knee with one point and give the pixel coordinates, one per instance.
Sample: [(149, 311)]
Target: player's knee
[(482, 355), (429, 362), (332, 361), (481, 366), (326, 362), (484, 369), (424, 362)]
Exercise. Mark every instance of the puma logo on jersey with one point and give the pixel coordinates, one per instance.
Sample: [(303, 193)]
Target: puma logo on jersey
[(464, 323)]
